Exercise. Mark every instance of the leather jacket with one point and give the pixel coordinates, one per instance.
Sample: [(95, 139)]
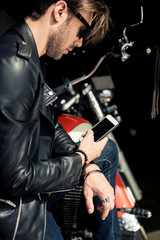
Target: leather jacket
[(37, 157)]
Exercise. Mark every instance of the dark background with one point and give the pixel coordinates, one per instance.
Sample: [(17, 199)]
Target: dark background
[(138, 134)]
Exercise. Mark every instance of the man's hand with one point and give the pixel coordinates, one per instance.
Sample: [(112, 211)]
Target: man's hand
[(97, 185), (91, 148)]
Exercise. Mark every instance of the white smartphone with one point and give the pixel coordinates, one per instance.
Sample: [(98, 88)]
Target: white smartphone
[(104, 127)]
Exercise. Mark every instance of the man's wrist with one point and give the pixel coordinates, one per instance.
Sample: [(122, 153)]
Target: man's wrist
[(90, 167), (85, 158), (91, 172)]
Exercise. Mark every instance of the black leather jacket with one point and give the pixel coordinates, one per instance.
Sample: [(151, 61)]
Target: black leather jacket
[(36, 158)]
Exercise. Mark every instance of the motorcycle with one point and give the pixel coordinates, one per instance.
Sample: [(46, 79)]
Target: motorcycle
[(81, 103)]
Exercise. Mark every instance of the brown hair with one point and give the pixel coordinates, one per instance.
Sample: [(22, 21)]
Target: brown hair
[(98, 7)]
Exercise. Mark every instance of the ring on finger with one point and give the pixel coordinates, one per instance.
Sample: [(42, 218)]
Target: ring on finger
[(106, 200)]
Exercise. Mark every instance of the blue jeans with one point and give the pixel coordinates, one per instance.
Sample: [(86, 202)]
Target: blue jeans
[(102, 230)]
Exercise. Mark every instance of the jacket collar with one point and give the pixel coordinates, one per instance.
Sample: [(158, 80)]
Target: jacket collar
[(26, 34)]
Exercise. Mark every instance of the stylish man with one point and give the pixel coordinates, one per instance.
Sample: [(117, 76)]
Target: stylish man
[(37, 157)]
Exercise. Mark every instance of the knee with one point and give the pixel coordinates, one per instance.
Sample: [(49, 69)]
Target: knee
[(113, 146), (112, 152), (108, 155)]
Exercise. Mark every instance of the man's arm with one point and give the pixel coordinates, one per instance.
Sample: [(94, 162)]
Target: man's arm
[(96, 184), (22, 169)]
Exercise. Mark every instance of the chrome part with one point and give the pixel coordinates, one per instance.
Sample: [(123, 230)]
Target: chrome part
[(133, 25)]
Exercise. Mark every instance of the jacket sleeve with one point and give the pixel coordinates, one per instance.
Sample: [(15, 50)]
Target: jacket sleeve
[(61, 136), (20, 172)]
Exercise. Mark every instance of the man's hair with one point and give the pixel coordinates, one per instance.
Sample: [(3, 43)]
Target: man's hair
[(101, 15)]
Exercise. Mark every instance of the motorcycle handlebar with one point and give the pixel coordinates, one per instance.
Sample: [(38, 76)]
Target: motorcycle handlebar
[(82, 78), (128, 49)]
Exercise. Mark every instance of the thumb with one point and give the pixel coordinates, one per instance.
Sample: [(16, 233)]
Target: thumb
[(89, 204)]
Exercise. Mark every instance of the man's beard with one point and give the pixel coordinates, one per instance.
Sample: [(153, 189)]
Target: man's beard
[(54, 46), (56, 42)]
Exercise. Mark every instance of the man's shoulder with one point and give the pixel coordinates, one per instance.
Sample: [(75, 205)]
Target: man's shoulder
[(12, 45), (14, 51), (15, 61), (13, 57), (17, 58)]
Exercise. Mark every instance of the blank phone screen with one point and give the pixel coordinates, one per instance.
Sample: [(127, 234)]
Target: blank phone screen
[(102, 128)]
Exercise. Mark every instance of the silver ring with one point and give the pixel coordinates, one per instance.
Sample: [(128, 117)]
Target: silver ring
[(114, 199), (106, 200)]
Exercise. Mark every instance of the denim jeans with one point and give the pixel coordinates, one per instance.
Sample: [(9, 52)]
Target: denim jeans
[(107, 229)]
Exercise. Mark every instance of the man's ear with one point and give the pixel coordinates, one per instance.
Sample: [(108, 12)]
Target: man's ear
[(60, 11)]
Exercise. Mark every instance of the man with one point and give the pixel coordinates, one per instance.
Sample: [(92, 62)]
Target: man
[(37, 157)]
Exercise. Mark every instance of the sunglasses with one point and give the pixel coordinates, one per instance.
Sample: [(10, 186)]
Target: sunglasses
[(83, 32)]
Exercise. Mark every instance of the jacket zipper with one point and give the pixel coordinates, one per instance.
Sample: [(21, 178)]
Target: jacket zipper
[(8, 202), (45, 220), (18, 219), (59, 191), (29, 146)]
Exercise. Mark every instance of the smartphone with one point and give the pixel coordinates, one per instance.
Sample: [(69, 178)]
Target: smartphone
[(104, 127)]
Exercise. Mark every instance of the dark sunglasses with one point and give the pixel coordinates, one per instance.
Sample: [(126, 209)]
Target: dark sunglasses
[(83, 32)]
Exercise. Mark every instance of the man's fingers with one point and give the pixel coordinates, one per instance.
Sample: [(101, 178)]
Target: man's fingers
[(105, 207), (100, 207), (89, 204), (105, 214)]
